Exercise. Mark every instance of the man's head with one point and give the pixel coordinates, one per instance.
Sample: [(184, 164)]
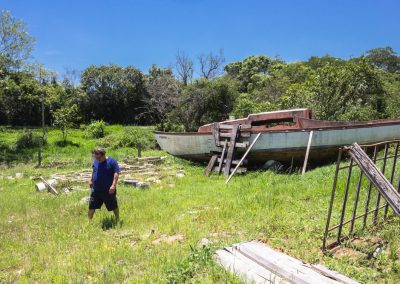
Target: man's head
[(99, 154)]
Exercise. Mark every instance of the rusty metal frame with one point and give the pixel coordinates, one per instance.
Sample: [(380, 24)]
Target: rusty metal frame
[(335, 231)]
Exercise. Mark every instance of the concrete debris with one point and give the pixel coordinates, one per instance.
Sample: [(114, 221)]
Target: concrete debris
[(180, 174), (153, 180), (19, 175), (135, 183), (205, 242), (41, 186)]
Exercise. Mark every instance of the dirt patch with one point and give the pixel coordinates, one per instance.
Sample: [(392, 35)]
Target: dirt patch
[(345, 252), (168, 239)]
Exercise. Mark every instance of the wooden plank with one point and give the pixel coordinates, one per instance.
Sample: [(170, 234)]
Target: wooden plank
[(244, 157), (234, 162), (226, 126), (211, 164), (216, 133), (238, 144), (231, 151), (228, 134), (245, 268), (307, 152), (255, 262), (51, 188), (221, 160), (245, 127)]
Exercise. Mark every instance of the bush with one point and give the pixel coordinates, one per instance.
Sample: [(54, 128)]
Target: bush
[(130, 137), (96, 129), (29, 139)]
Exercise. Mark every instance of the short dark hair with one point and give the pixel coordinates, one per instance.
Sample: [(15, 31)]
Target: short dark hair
[(99, 151)]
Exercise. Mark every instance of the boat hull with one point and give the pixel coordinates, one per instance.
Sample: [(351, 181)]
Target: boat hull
[(283, 146)]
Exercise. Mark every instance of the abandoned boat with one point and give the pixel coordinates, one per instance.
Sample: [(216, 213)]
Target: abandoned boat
[(284, 137)]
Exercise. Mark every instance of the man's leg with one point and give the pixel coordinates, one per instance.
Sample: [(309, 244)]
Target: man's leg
[(91, 213), (116, 214)]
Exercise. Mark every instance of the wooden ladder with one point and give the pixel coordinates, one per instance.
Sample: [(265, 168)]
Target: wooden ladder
[(230, 138)]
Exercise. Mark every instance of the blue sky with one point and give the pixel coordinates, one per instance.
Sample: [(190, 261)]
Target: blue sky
[(74, 34)]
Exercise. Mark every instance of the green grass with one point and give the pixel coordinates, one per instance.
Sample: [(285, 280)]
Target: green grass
[(45, 238)]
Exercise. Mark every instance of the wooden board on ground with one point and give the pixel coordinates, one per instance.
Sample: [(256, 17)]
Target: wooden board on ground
[(256, 262)]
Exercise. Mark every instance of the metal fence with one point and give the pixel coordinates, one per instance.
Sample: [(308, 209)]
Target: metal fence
[(355, 201)]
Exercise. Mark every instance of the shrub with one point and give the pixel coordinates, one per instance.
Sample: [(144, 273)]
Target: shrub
[(96, 129), (29, 139), (130, 137)]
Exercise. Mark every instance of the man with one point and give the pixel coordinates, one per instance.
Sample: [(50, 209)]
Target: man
[(103, 183)]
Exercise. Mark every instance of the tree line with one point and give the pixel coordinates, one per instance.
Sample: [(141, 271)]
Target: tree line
[(194, 91)]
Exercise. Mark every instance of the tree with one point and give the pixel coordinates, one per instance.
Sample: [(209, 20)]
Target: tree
[(164, 91), (15, 42), (65, 118), (114, 94), (211, 64), (351, 91), (205, 101), (315, 62), (384, 58), (184, 67), (245, 70)]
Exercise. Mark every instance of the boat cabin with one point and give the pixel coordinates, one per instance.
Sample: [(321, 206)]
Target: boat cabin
[(274, 120)]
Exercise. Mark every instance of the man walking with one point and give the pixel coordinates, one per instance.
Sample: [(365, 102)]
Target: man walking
[(103, 183)]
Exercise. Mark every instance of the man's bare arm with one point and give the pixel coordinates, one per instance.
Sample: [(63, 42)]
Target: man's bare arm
[(114, 184)]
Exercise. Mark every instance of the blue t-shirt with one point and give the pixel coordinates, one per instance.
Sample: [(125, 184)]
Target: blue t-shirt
[(103, 174)]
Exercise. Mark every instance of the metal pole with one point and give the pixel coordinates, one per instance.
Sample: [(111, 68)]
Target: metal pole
[(396, 151), (328, 220), (369, 191), (346, 194), (378, 199)]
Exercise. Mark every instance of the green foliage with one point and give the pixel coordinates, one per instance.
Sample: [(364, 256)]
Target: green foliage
[(130, 137), (96, 129), (245, 105), (114, 94), (29, 139), (65, 118), (16, 44), (205, 101), (385, 58), (197, 260), (244, 70)]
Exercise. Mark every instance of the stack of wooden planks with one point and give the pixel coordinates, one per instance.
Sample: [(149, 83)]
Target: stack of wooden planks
[(255, 262)]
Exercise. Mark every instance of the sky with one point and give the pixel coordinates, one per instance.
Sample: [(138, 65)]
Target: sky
[(75, 34)]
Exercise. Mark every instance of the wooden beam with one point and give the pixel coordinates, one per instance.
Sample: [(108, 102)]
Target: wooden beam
[(221, 162), (231, 150), (244, 156), (211, 164), (310, 136), (51, 188)]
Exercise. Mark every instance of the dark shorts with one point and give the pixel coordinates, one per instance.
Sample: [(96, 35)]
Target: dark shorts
[(98, 198)]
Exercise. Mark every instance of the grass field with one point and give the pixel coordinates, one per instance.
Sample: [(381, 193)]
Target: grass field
[(46, 238)]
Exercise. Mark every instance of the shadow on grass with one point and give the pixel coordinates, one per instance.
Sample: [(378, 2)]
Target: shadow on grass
[(110, 223), (66, 143)]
